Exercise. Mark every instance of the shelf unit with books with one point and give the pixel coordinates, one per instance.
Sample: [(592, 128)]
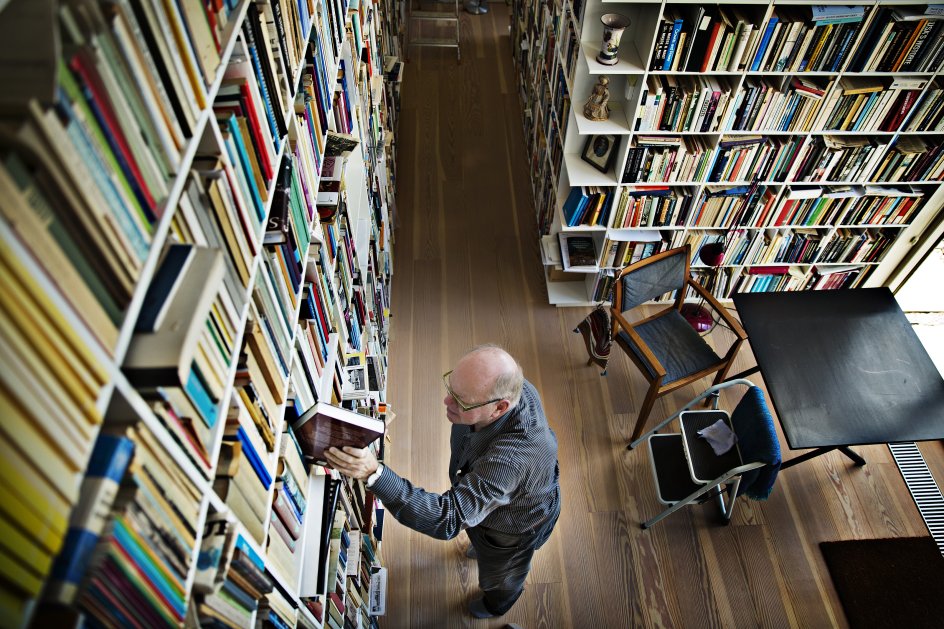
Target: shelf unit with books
[(175, 140), (805, 138)]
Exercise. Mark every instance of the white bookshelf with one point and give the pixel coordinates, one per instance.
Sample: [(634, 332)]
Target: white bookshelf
[(554, 174)]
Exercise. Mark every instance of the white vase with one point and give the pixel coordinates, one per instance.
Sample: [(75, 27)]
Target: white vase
[(613, 26)]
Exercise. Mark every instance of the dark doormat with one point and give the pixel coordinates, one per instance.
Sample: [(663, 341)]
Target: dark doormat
[(896, 583)]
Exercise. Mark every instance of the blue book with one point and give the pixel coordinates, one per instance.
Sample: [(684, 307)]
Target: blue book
[(764, 41), (253, 457), (251, 554), (200, 397), (243, 159), (160, 293), (673, 45), (276, 620), (109, 461), (146, 565)]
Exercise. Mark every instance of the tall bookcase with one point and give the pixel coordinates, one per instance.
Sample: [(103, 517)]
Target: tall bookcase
[(196, 241), (807, 141)]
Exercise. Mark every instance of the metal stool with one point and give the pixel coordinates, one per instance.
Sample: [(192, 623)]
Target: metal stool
[(415, 16)]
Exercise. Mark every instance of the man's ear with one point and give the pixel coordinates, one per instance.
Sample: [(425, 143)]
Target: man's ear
[(501, 408)]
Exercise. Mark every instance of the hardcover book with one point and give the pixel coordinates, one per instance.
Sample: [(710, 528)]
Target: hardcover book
[(324, 426)]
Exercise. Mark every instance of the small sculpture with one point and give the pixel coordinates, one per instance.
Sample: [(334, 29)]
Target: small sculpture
[(596, 107)]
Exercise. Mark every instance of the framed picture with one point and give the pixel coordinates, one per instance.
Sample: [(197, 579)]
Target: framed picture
[(600, 151)]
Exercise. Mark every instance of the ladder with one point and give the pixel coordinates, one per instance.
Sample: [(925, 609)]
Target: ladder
[(415, 17)]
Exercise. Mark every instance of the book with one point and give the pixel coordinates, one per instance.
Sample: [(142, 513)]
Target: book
[(179, 305), (106, 468), (324, 426)]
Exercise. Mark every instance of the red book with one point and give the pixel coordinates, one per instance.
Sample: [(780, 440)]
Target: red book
[(255, 128), (84, 67), (711, 45), (768, 270), (785, 212), (282, 531), (287, 516)]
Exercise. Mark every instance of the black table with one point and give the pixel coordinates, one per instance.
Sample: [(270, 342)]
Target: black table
[(843, 368)]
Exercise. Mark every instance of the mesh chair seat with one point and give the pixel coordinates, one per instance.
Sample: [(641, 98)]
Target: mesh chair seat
[(677, 346)]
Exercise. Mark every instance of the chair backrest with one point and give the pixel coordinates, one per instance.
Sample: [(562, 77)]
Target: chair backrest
[(648, 279), (757, 440)]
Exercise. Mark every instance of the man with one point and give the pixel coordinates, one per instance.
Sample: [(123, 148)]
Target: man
[(503, 468)]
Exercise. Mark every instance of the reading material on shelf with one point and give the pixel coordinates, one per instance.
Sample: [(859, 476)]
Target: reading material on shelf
[(578, 252), (756, 98), (324, 426), (156, 329)]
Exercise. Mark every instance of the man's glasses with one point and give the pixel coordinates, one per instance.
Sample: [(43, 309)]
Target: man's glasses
[(463, 405)]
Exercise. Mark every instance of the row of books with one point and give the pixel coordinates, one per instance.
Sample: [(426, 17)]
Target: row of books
[(231, 579), (288, 512), (759, 206), (183, 346), (683, 103), (139, 567), (50, 388), (653, 159), (820, 38), (651, 206), (671, 159)]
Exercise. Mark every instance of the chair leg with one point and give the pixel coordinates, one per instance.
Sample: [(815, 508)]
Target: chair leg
[(647, 404)]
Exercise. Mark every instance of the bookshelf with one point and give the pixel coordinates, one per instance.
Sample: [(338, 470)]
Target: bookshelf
[(195, 247), (808, 145)]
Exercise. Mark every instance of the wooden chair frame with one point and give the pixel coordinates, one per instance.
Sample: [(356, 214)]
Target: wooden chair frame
[(648, 363)]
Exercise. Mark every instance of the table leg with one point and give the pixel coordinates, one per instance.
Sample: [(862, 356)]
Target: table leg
[(857, 458), (812, 454), (743, 374)]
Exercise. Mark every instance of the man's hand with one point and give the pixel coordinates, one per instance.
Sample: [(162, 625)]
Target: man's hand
[(354, 462)]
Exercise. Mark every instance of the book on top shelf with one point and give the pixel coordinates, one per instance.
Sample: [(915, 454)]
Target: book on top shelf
[(324, 426)]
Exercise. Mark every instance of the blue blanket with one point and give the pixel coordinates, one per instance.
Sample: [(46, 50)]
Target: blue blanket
[(757, 439)]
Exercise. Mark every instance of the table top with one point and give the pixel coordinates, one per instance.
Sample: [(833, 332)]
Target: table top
[(843, 367)]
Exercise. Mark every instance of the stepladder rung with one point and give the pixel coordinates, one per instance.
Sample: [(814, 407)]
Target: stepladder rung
[(434, 15), (442, 42)]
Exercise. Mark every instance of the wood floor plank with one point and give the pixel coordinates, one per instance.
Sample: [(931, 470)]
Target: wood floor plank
[(468, 270)]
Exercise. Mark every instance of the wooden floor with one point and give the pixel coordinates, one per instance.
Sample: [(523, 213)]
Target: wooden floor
[(468, 271)]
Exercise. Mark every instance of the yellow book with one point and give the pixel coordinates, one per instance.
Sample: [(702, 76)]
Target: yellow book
[(43, 396), (84, 360), (65, 276), (255, 166), (171, 21), (46, 529), (17, 575), (261, 424), (12, 606), (24, 549), (18, 435), (260, 347), (64, 425), (81, 385), (174, 484), (18, 477), (235, 241)]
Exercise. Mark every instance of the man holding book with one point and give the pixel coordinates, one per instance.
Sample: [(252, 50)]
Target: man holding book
[(503, 468)]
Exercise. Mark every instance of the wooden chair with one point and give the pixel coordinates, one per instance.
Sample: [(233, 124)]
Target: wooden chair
[(664, 346)]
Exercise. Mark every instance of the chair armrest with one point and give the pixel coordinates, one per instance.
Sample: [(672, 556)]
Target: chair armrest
[(729, 319), (619, 321)]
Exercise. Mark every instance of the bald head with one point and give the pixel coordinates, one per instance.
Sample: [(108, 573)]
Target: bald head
[(495, 372)]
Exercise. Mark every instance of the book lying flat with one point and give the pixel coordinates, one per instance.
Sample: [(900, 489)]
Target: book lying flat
[(323, 426)]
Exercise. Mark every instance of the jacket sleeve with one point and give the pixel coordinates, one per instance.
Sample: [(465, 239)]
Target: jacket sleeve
[(490, 484)]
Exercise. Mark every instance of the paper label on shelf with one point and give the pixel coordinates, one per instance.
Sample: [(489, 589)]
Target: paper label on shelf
[(378, 592)]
